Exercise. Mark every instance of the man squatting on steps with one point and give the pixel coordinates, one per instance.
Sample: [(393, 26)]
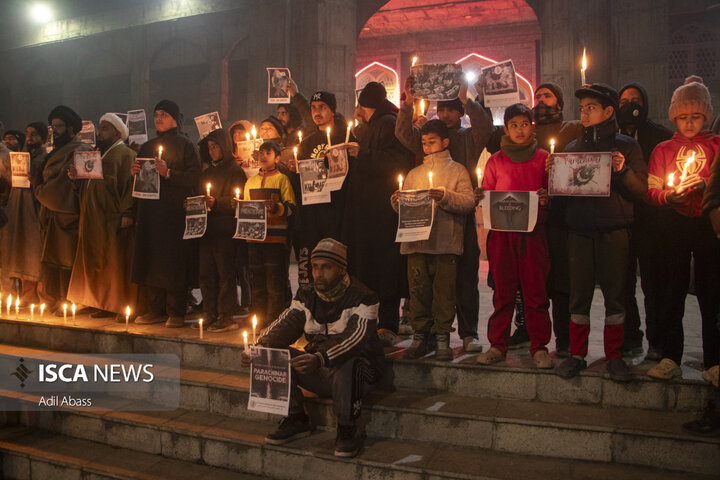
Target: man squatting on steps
[(343, 357)]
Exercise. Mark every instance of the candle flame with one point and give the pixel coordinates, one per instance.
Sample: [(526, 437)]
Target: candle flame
[(247, 137), (479, 174), (328, 131), (32, 307), (414, 61), (64, 307), (73, 308), (237, 193), (42, 308), (201, 322), (127, 311), (584, 60), (422, 107), (300, 136), (254, 321), (160, 150), (671, 179), (17, 302), (245, 336), (350, 124), (253, 131), (552, 142), (295, 152), (207, 188)]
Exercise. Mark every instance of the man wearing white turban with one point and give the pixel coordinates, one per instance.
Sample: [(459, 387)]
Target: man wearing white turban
[(101, 272)]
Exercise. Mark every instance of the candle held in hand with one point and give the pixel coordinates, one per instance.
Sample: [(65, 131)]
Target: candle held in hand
[(245, 340), (237, 194), (583, 68), (254, 325), (430, 175), (160, 152), (479, 177), (347, 134), (552, 146), (400, 182), (329, 144), (207, 188)]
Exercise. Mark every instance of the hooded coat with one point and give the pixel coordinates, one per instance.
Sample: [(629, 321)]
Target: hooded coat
[(648, 133), (370, 222), (161, 255)]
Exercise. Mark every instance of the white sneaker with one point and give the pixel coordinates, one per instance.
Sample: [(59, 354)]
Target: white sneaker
[(472, 345), (666, 369)]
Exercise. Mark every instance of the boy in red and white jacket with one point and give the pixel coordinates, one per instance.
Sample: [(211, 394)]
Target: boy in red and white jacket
[(519, 259), (678, 173)]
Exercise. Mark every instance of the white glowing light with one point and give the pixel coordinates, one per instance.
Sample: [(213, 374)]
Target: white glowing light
[(470, 76), (41, 13)]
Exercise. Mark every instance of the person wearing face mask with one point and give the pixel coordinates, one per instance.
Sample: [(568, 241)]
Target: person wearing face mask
[(60, 215), (644, 247)]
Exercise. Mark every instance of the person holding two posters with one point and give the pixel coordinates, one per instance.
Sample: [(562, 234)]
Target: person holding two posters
[(101, 272), (343, 358), (160, 260), (519, 259), (432, 263), (598, 232)]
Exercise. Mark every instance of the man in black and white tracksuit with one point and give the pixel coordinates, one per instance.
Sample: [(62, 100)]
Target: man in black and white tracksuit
[(343, 357)]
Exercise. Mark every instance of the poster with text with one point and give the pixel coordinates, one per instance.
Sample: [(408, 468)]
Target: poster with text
[(416, 213), (88, 164), (269, 380), (195, 217), (147, 183), (436, 81), (278, 79), (20, 168), (314, 181), (87, 133), (137, 127), (207, 123), (584, 174), (510, 211), (251, 220), (337, 162), (500, 85)]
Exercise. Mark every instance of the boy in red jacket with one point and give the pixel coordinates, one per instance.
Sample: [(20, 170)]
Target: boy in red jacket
[(687, 159), (519, 259)]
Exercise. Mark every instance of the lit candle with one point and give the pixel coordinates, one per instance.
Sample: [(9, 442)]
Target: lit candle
[(42, 311), (295, 153), (583, 68), (207, 188), (400, 181), (299, 136), (247, 137), (237, 194), (328, 137), (32, 311), (422, 107), (9, 304), (160, 152), (686, 166), (254, 325), (552, 146), (245, 339), (479, 176), (430, 178), (254, 132), (64, 312), (414, 61), (17, 307), (201, 328), (127, 317), (73, 312), (347, 134)]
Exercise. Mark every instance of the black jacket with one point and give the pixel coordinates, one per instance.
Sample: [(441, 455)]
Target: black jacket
[(593, 215), (648, 134), (336, 331)]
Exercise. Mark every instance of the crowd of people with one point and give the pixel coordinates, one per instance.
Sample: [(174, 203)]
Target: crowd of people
[(91, 243)]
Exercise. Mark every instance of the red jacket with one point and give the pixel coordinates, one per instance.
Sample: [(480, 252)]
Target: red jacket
[(670, 156)]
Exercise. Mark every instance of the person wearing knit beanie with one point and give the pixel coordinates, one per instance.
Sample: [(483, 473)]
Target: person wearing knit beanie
[(691, 97), (332, 250)]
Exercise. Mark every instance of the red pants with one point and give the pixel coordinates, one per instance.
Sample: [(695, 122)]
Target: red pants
[(519, 260)]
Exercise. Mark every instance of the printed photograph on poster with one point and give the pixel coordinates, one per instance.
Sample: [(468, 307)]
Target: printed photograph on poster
[(137, 126), (195, 217), (147, 183), (87, 133), (269, 380), (580, 174), (88, 164), (436, 81), (499, 84), (416, 213), (207, 123), (20, 168), (337, 161), (245, 152), (278, 78), (510, 211), (313, 181), (251, 223)]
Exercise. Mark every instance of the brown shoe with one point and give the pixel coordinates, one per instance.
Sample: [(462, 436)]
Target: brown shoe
[(175, 322), (543, 360), (493, 355)]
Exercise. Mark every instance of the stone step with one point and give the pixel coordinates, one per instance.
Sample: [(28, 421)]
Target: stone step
[(622, 436), (27, 454), (515, 379)]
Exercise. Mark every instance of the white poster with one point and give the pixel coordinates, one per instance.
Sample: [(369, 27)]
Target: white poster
[(278, 78), (20, 167), (416, 213), (337, 160), (195, 217), (270, 380), (500, 85), (88, 164), (251, 220), (207, 123), (314, 181), (584, 174), (510, 211), (137, 127), (147, 183)]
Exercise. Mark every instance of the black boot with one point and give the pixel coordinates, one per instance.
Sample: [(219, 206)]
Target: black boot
[(706, 426), (347, 442), (291, 427)]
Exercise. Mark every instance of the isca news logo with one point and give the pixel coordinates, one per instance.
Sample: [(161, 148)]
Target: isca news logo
[(76, 373)]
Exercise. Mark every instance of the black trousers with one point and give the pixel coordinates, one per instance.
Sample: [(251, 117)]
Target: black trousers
[(217, 276), (683, 237), (269, 274), (468, 296), (159, 301), (558, 284)]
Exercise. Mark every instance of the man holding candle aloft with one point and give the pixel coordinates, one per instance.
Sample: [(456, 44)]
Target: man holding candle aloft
[(466, 145), (160, 261), (688, 156), (598, 233), (217, 247), (433, 263)]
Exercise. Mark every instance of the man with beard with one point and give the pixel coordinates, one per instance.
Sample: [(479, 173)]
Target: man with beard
[(290, 119), (59, 217), (466, 145), (160, 259), (21, 241), (14, 140), (101, 274), (645, 248), (370, 223), (343, 357)]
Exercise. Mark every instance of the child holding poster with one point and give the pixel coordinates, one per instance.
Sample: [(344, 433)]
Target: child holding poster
[(679, 170), (519, 259), (432, 263)]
